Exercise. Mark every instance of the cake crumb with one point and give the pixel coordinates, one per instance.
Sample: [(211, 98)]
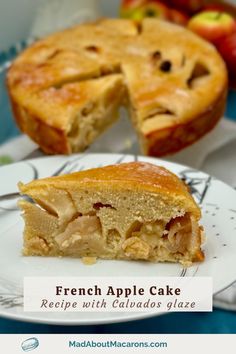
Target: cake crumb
[(89, 260)]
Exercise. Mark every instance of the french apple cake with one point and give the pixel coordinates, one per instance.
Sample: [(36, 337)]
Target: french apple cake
[(130, 211), (66, 89)]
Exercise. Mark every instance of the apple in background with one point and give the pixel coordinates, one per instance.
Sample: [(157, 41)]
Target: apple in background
[(156, 9), (129, 6), (227, 48), (189, 6), (214, 7), (212, 25), (137, 10), (178, 17)]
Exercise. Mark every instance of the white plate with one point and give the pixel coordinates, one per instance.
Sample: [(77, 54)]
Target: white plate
[(218, 203)]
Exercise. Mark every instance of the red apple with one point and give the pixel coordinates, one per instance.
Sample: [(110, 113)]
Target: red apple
[(129, 6), (178, 17), (221, 7), (148, 8), (155, 9), (212, 25), (189, 6), (227, 48), (214, 7)]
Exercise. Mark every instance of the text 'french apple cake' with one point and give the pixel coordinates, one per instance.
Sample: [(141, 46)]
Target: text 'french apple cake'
[(67, 89), (129, 211)]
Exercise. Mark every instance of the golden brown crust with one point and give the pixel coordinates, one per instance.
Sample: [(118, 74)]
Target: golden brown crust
[(133, 175), (176, 85)]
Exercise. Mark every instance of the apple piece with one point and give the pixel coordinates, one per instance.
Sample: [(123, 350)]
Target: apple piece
[(212, 25), (227, 48), (178, 17)]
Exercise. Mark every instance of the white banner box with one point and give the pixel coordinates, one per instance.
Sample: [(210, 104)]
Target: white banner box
[(117, 294)]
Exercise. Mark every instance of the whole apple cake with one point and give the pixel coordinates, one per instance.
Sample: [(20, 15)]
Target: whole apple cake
[(67, 89), (132, 211)]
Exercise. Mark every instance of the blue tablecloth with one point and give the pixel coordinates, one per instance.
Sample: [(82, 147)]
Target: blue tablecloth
[(216, 322)]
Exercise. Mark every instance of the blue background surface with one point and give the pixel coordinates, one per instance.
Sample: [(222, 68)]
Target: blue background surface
[(216, 322)]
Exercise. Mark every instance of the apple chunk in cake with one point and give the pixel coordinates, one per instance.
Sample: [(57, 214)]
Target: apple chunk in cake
[(132, 211)]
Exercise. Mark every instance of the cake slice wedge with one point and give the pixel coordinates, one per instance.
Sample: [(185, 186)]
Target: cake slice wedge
[(130, 211)]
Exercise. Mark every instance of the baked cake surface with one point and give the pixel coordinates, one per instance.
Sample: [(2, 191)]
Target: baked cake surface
[(67, 88), (133, 211)]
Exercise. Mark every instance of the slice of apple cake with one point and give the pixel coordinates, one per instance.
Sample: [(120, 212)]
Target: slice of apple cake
[(131, 211)]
